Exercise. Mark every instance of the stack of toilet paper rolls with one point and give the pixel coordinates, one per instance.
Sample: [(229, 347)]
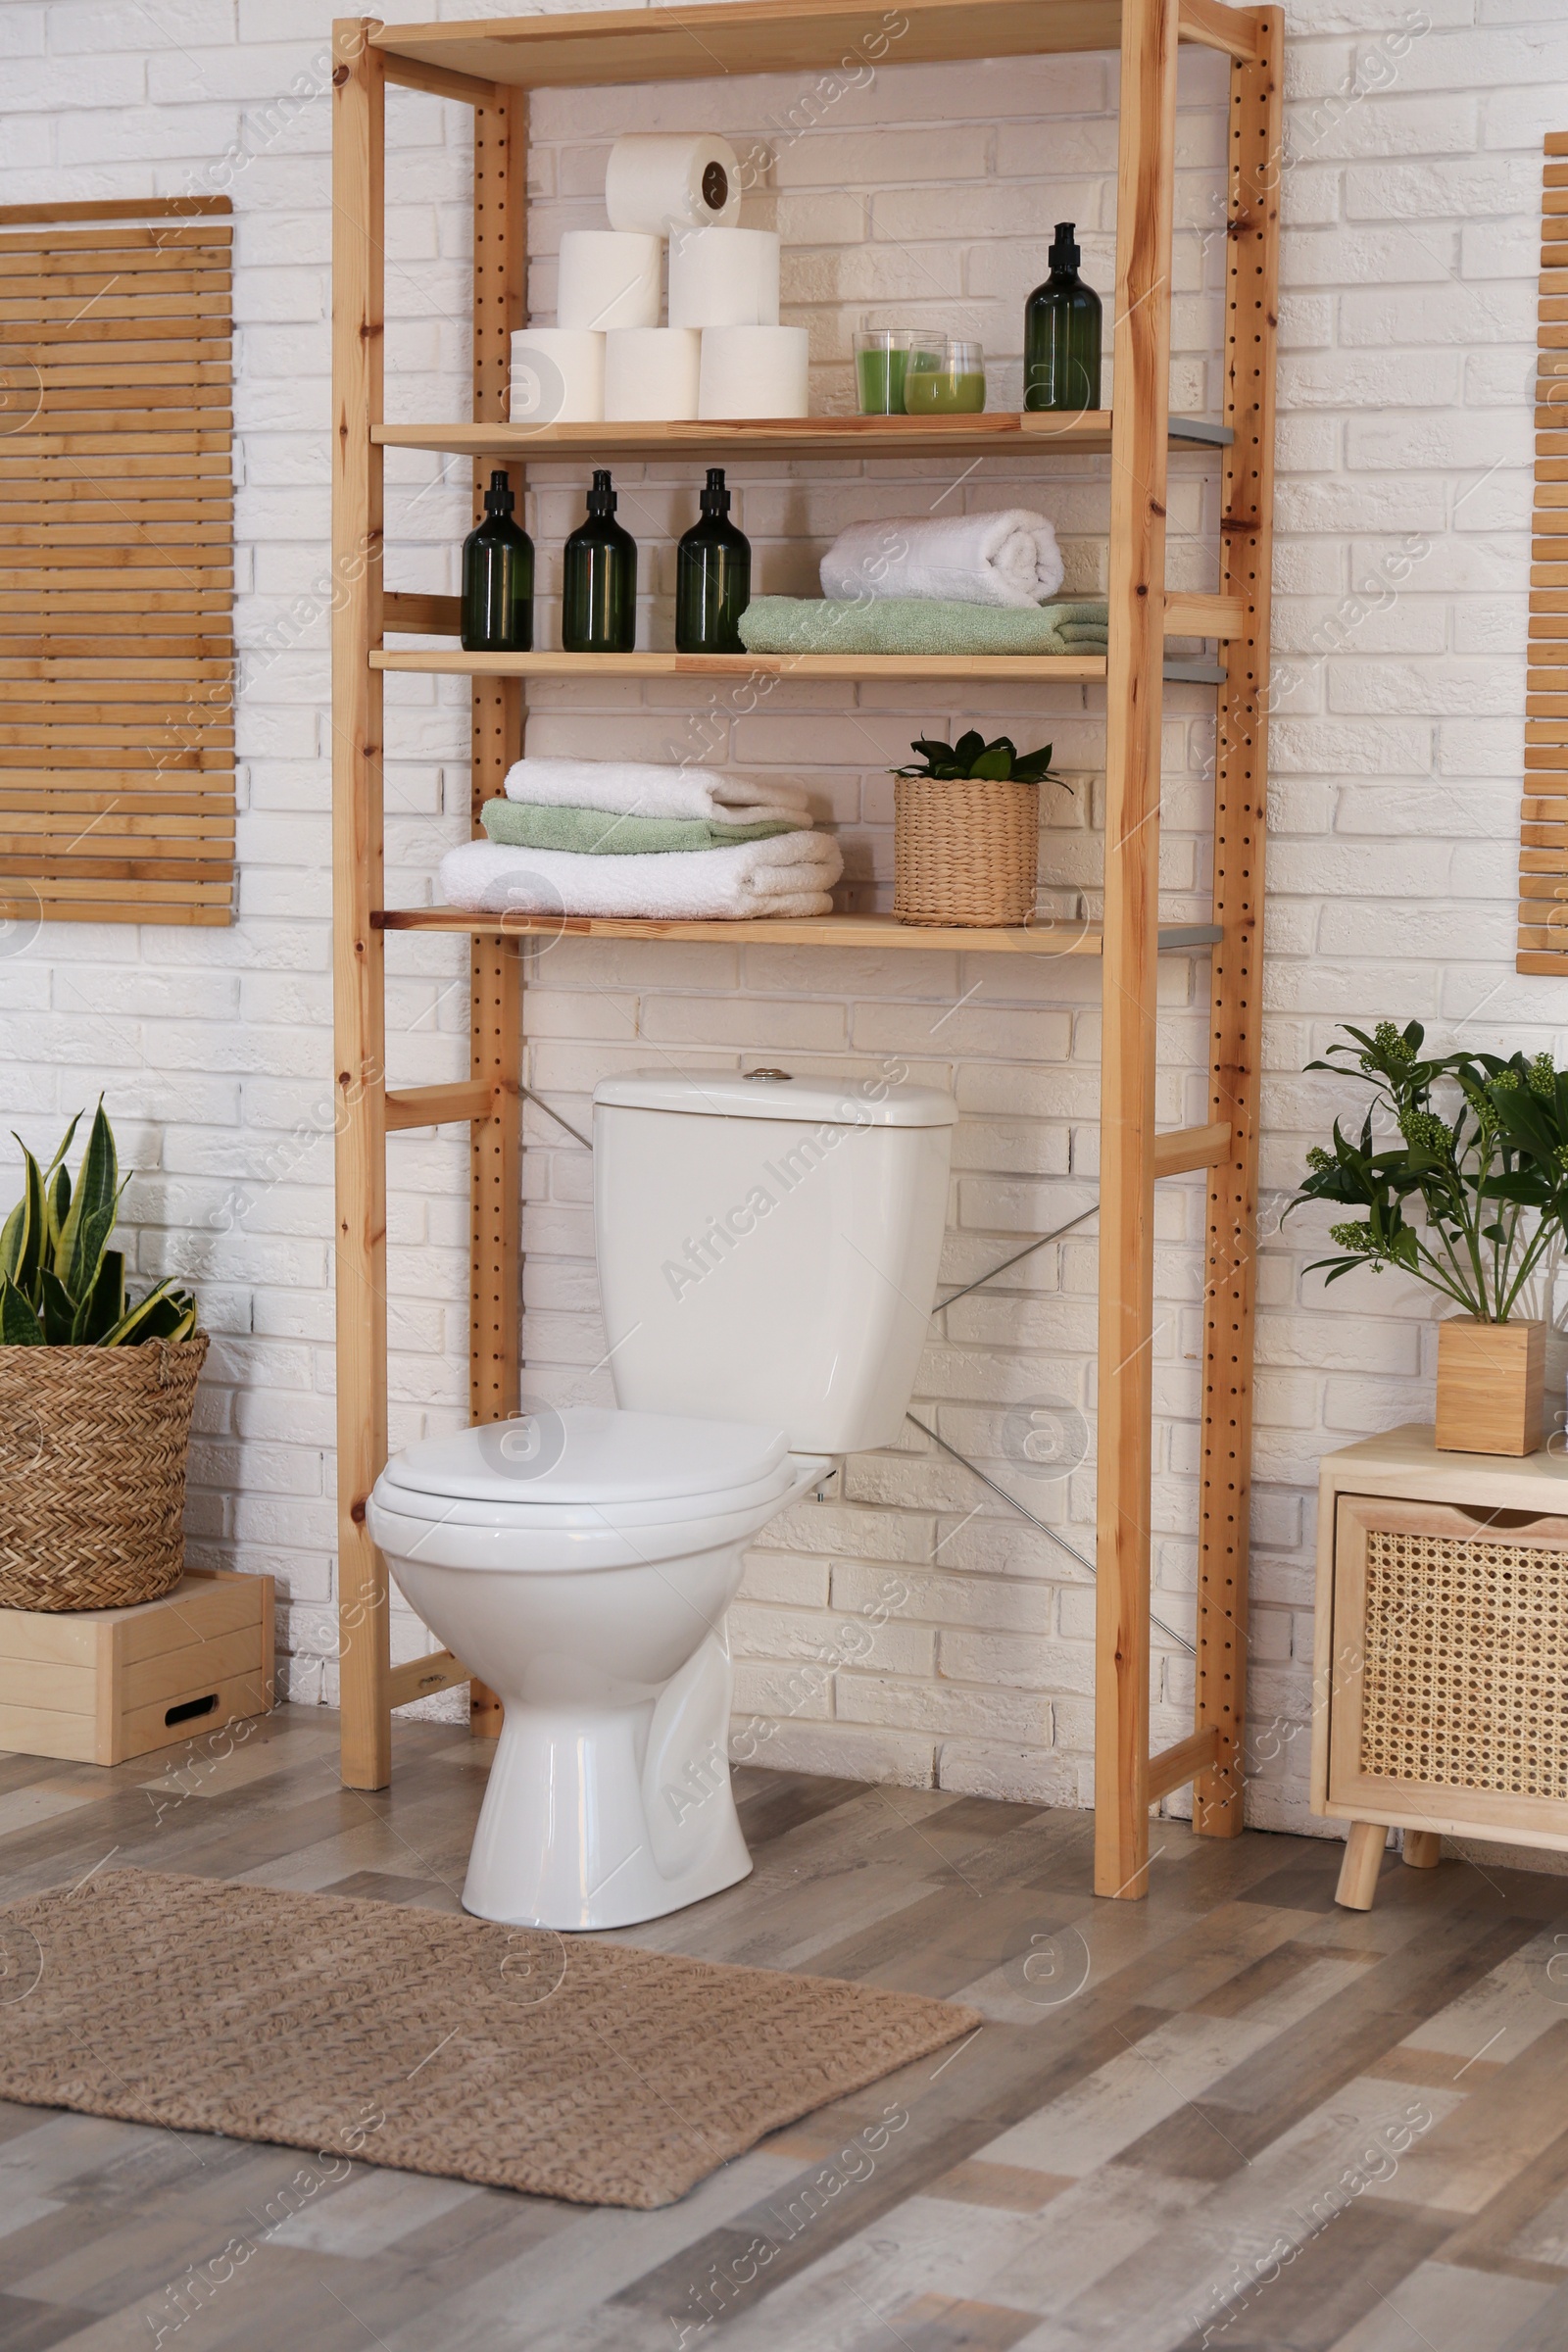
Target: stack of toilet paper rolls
[(723, 353)]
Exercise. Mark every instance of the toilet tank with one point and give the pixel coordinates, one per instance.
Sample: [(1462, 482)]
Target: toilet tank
[(768, 1247)]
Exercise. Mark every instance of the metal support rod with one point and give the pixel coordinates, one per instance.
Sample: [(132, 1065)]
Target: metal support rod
[(1045, 1527)]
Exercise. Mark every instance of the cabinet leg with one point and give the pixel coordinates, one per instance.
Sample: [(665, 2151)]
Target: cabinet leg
[(1363, 1859), (1423, 1849)]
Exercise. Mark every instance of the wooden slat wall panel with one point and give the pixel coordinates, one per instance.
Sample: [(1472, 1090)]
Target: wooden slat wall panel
[(117, 523), (1543, 945)]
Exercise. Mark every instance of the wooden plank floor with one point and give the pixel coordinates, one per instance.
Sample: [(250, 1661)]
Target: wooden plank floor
[(1233, 2116)]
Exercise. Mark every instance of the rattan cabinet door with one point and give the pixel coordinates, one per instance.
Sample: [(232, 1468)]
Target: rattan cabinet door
[(1448, 1687)]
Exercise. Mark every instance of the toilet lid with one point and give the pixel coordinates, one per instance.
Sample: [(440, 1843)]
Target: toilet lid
[(777, 1095), (588, 1453)]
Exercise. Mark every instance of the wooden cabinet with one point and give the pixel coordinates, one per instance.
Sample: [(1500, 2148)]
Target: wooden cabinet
[(1441, 1663)]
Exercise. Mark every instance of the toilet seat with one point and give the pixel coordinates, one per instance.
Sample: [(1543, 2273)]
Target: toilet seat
[(583, 1488), (591, 1453)]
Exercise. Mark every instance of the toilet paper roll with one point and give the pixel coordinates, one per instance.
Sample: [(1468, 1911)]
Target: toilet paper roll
[(650, 372), (754, 371), (558, 376), (659, 180), (724, 277), (607, 280)]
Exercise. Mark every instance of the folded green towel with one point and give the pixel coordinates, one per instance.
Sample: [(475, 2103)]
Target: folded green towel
[(907, 625), (525, 825)]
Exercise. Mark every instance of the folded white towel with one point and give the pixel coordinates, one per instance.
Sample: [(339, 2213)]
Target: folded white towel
[(1010, 557), (789, 874), (641, 788)]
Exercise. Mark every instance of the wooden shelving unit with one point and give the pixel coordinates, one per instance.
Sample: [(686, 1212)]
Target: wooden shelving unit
[(491, 67)]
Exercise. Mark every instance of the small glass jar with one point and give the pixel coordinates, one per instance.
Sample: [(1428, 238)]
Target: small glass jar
[(945, 379), (881, 355)]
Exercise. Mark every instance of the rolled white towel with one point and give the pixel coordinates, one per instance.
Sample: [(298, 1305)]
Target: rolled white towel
[(1009, 557), (789, 874), (642, 788)]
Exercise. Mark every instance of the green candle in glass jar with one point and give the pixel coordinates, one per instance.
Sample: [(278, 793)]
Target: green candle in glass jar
[(944, 380), (881, 354)]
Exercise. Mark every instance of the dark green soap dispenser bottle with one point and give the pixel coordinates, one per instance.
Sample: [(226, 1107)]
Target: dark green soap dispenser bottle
[(497, 579), (599, 589), (1062, 333), (713, 577)]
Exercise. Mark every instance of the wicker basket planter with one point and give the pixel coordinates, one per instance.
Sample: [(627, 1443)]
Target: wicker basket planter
[(93, 1444), (965, 850)]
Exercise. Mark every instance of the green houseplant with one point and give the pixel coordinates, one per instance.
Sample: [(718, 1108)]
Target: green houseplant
[(966, 831), (1459, 1177), (96, 1396), (61, 1285)]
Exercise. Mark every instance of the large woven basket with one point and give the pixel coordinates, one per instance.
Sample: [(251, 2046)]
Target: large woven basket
[(964, 852), (92, 1472)]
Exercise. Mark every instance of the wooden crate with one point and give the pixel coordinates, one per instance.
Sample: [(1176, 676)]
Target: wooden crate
[(98, 1686), (1441, 1687)]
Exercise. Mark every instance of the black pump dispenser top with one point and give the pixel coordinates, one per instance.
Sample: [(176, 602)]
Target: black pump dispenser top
[(1064, 254), (715, 499), (601, 498), (498, 499)]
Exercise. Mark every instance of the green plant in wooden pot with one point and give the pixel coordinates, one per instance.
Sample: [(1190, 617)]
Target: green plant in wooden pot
[(1459, 1177), (966, 831), (96, 1395)]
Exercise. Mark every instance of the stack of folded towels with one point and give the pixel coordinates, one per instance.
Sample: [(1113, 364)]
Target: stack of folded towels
[(934, 584), (621, 837)]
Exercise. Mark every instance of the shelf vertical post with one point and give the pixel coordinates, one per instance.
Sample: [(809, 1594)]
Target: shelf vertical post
[(1129, 968), (359, 998), (1241, 781), (495, 1037)]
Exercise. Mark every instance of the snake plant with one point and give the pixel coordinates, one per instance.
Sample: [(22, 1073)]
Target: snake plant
[(972, 755), (61, 1285)]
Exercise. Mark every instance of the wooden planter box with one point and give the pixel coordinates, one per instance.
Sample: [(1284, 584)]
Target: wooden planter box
[(1490, 1386), (99, 1686), (1440, 1669)]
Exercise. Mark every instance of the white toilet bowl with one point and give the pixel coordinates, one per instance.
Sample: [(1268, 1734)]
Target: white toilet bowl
[(583, 1562), (767, 1251)]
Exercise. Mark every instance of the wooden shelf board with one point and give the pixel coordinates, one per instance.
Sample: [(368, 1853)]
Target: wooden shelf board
[(999, 436), (779, 37), (1070, 667), (1057, 935)]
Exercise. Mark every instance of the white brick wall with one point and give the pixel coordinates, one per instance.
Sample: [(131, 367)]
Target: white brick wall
[(910, 1627)]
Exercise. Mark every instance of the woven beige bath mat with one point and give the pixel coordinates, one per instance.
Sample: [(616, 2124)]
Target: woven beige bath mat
[(508, 2056)]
